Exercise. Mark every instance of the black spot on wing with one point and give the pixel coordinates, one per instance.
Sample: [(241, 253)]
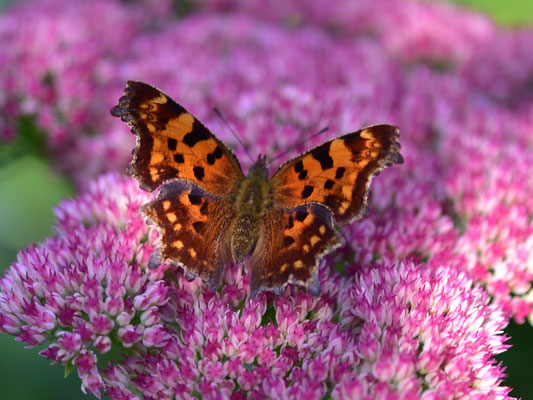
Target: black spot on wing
[(204, 209), (217, 152), (321, 154), (198, 226), (340, 172), (215, 155), (287, 241), (329, 184), (291, 222), (172, 144), (307, 191), (299, 166), (195, 198), (179, 158), (198, 133), (303, 174), (301, 215), (198, 173)]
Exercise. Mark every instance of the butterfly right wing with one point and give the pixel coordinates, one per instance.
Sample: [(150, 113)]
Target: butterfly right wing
[(291, 244), (337, 174)]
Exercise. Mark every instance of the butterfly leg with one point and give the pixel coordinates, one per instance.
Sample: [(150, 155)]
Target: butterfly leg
[(189, 276)]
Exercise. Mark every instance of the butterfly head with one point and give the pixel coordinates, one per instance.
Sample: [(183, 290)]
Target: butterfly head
[(259, 169)]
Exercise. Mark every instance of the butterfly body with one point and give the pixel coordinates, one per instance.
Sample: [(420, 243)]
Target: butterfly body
[(252, 198), (254, 191), (209, 214)]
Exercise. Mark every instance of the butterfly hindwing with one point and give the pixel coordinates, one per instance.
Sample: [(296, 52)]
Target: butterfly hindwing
[(337, 174), (173, 144), (291, 244), (193, 229)]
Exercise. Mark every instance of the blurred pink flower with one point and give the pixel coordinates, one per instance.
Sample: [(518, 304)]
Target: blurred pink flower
[(490, 185), (57, 66), (58, 69)]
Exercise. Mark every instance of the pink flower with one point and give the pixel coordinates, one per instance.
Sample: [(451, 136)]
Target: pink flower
[(396, 330), (56, 293), (61, 78)]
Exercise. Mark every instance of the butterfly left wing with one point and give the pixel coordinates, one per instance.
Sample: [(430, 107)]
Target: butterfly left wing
[(290, 246), (173, 144), (193, 230), (337, 174)]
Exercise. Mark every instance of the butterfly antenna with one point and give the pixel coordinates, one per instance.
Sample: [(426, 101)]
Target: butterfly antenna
[(299, 144), (219, 114)]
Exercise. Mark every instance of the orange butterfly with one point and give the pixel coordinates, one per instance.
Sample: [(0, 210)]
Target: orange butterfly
[(209, 213)]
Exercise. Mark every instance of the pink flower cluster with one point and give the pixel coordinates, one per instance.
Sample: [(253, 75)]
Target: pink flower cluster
[(85, 288), (493, 198), (58, 64), (394, 330), (413, 305)]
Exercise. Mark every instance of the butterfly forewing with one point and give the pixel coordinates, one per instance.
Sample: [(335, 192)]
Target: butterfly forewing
[(173, 144), (337, 174)]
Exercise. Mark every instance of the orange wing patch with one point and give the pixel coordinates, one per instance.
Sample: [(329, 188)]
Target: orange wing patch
[(193, 228), (290, 246), (173, 144), (337, 174)]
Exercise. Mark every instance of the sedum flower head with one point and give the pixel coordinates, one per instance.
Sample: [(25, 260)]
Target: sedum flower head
[(393, 330), (84, 291)]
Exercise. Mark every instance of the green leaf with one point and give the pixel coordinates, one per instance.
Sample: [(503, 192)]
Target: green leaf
[(69, 367), (29, 140)]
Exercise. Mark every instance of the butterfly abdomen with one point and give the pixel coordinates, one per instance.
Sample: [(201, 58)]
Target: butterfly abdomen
[(252, 199), (244, 235)]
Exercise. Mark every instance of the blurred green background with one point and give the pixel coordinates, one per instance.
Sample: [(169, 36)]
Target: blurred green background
[(29, 189)]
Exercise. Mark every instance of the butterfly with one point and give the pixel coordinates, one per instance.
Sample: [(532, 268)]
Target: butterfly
[(209, 214)]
